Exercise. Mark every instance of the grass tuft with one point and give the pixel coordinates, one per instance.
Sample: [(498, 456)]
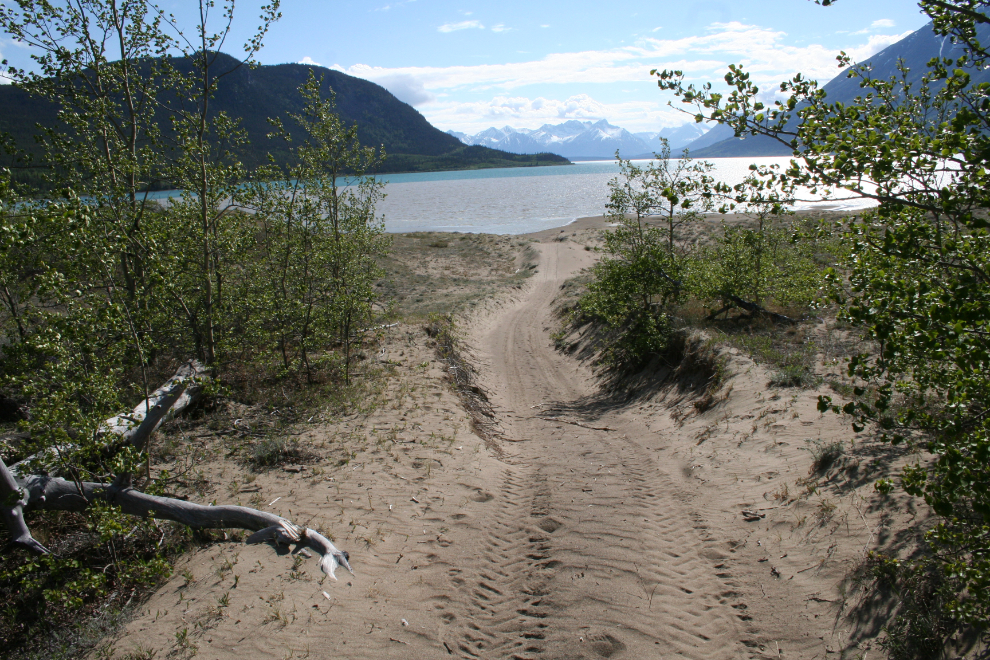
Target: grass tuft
[(272, 452), (823, 454)]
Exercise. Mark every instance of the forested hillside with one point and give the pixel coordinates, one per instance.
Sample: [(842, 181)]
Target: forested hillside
[(255, 94)]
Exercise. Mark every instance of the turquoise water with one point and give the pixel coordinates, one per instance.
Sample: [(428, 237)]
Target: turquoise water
[(520, 200), (523, 200), (587, 167)]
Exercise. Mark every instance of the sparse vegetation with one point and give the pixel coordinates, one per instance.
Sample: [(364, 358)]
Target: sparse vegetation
[(460, 374), (272, 452), (106, 292)]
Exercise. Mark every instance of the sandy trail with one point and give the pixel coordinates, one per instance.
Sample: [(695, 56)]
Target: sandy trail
[(590, 552), (599, 530)]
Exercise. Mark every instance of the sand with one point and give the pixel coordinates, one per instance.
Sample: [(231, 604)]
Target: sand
[(589, 529)]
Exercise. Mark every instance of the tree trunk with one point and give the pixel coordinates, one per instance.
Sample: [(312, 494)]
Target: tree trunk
[(753, 308)]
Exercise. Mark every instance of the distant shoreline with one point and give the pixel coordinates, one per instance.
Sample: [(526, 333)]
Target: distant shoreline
[(600, 222)]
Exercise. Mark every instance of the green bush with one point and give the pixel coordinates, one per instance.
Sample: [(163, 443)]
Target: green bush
[(915, 277), (640, 275)]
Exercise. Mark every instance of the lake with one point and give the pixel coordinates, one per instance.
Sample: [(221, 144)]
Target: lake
[(526, 199), (520, 200)]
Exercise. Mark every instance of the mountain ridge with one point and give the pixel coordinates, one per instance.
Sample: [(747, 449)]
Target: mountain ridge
[(253, 95), (580, 139)]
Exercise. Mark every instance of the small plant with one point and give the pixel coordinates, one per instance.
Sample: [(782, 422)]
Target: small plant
[(883, 568), (226, 565), (782, 494), (884, 486), (826, 509), (183, 642), (823, 454), (141, 653), (793, 375), (271, 452)]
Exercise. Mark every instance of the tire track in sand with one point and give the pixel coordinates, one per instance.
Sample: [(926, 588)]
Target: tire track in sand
[(501, 590), (590, 552)]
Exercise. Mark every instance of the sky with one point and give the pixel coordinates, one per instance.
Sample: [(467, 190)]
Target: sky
[(468, 65)]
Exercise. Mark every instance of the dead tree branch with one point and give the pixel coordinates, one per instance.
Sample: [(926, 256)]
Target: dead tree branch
[(43, 492)]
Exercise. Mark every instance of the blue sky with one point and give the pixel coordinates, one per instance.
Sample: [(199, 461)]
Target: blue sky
[(470, 65)]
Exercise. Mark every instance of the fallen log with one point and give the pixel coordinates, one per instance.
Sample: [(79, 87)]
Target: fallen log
[(44, 492), (134, 428), (54, 494)]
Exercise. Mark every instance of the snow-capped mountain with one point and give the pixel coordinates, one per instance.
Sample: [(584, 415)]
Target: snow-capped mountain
[(577, 139)]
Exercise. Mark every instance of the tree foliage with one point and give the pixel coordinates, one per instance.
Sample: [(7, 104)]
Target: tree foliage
[(760, 258), (319, 240), (104, 290), (917, 274), (641, 273)]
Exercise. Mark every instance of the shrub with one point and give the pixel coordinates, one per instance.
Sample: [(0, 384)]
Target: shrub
[(793, 375)]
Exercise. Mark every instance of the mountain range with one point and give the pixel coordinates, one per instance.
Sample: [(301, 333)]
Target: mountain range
[(914, 51), (411, 143), (582, 139)]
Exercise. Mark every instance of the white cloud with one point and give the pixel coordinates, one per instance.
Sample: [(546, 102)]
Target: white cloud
[(407, 89), (760, 50), (583, 67), (309, 61), (765, 54), (882, 23), (544, 26), (463, 25), (524, 112), (874, 45), (394, 5), (500, 28)]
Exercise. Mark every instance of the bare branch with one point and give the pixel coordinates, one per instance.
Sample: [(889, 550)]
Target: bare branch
[(12, 503), (54, 494)]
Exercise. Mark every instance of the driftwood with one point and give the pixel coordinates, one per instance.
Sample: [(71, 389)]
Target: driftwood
[(44, 492), (134, 428)]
